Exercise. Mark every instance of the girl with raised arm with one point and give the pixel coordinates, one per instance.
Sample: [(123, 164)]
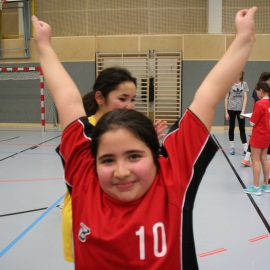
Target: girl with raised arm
[(132, 207)]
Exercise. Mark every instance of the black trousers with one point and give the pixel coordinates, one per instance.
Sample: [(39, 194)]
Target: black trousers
[(241, 123)]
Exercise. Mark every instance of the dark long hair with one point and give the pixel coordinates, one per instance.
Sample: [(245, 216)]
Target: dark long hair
[(263, 86), (265, 76), (242, 77), (107, 81), (137, 123)]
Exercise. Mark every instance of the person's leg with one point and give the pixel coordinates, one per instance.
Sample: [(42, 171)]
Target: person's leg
[(256, 159), (231, 130), (255, 189), (268, 154), (246, 161), (265, 169), (242, 129)]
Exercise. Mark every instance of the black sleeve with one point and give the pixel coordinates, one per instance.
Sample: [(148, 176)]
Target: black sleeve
[(254, 95)]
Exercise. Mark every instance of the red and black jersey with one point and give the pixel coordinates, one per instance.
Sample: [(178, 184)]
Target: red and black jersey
[(155, 232)]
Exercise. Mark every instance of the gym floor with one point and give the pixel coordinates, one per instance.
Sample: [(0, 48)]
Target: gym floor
[(231, 228)]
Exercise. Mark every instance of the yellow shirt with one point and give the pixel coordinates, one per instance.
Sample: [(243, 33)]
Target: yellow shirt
[(67, 218)]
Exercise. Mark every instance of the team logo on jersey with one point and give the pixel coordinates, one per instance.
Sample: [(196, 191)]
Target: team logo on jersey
[(83, 232)]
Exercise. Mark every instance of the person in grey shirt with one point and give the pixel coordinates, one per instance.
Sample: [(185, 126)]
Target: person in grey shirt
[(235, 105)]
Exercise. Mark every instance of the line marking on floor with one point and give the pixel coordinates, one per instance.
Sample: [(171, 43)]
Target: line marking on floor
[(258, 210), (23, 212), (32, 180), (9, 139), (213, 252), (29, 148), (258, 238), (31, 226)]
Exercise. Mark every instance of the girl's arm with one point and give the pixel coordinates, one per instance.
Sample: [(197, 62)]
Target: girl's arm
[(65, 93), (227, 117), (227, 70), (244, 103)]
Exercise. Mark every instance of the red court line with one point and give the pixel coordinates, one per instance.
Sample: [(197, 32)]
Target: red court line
[(31, 180), (213, 252), (258, 238)]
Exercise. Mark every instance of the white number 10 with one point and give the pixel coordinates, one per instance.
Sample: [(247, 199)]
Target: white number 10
[(163, 247)]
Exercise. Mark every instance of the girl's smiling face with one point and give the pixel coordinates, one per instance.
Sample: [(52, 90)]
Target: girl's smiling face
[(125, 165), (123, 97)]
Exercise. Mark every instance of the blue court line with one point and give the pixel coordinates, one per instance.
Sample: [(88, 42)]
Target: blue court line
[(31, 226)]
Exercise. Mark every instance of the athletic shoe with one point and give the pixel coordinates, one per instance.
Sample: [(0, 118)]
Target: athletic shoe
[(265, 188), (232, 151), (246, 163), (253, 190)]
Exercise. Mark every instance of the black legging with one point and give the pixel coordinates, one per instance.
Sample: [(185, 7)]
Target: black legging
[(241, 124)]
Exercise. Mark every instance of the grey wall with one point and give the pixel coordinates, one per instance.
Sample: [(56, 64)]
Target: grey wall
[(83, 73), (20, 100), (195, 71)]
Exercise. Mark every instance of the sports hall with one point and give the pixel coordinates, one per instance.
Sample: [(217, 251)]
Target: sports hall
[(169, 46)]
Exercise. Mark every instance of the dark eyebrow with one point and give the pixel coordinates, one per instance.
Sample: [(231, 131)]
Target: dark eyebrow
[(132, 151), (126, 95), (105, 156)]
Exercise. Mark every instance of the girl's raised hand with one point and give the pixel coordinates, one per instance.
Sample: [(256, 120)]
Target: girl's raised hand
[(160, 127), (245, 24), (42, 33)]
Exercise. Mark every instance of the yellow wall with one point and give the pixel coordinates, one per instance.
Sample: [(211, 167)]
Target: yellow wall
[(194, 47)]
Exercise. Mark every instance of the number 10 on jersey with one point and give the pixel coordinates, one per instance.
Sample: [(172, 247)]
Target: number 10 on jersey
[(159, 240)]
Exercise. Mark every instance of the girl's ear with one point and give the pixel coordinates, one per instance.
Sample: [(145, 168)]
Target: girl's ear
[(99, 98)]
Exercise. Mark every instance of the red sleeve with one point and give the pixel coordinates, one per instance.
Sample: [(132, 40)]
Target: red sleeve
[(257, 112), (75, 150), (186, 145)]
